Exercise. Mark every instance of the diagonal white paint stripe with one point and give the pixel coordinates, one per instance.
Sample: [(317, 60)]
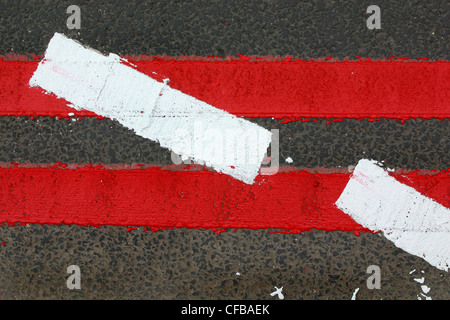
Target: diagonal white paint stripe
[(414, 222), (189, 127)]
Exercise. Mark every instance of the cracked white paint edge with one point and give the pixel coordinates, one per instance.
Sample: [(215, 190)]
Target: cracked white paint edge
[(187, 126), (412, 221)]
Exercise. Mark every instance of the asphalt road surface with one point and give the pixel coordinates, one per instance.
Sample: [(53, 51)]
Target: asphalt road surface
[(238, 264)]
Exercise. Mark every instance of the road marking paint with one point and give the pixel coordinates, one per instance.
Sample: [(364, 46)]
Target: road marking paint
[(187, 126), (414, 222), (293, 200), (289, 89)]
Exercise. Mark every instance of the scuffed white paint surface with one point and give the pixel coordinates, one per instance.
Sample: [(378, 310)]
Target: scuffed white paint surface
[(189, 127), (425, 290), (414, 222)]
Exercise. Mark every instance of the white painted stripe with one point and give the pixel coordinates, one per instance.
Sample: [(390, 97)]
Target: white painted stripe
[(187, 126), (414, 222)]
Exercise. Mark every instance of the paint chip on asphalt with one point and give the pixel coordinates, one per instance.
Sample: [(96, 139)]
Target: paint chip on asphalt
[(354, 294), (278, 292)]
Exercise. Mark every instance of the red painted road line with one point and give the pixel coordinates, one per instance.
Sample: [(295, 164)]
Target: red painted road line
[(161, 197), (281, 89)]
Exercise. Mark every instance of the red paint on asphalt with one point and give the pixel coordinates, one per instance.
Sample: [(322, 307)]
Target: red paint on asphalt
[(165, 197), (286, 89)]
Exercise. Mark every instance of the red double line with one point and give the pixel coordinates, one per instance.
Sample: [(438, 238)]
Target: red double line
[(160, 197)]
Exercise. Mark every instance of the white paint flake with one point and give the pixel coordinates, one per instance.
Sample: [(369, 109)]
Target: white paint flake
[(189, 127), (425, 288), (423, 295), (414, 222), (419, 280), (278, 292), (354, 294)]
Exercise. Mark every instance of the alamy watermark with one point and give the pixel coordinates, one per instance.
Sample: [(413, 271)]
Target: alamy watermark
[(74, 20), (74, 280), (232, 147), (374, 21), (374, 281)]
